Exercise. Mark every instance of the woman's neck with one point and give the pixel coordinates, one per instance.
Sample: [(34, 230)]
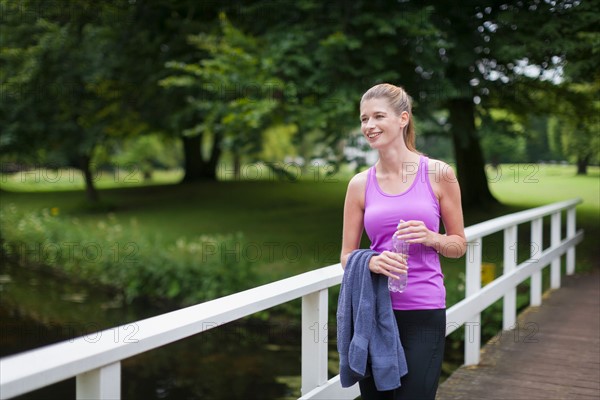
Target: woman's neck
[(394, 160)]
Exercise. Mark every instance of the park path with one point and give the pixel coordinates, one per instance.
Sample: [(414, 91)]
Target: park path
[(553, 354)]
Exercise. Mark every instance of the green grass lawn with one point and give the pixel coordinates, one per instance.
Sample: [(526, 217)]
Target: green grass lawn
[(68, 179), (529, 185), (290, 227)]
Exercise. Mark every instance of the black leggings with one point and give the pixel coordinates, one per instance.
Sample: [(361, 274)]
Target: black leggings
[(423, 334)]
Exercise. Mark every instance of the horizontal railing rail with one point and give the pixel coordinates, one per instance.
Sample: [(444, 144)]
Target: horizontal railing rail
[(97, 364)]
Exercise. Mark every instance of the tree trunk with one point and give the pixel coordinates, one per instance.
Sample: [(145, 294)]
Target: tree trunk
[(470, 164), (582, 164), (196, 169), (90, 190), (192, 152), (209, 170)]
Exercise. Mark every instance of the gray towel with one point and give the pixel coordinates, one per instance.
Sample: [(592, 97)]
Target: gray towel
[(367, 334)]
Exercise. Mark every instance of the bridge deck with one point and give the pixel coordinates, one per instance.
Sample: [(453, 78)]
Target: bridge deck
[(554, 353)]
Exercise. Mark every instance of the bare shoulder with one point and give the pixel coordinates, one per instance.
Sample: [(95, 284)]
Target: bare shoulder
[(441, 171), (357, 187), (442, 177), (359, 179)]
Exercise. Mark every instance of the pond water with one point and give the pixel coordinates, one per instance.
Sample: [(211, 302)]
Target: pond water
[(249, 359)]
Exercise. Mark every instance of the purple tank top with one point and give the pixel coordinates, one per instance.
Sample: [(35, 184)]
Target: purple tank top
[(383, 211)]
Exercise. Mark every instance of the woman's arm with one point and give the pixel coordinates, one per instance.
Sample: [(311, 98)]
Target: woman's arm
[(354, 210), (445, 185), (453, 244), (386, 263)]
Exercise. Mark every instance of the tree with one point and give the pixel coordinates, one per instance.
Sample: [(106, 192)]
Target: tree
[(488, 48), (577, 118), (329, 53), (561, 77), (503, 136), (64, 95), (581, 107), (157, 34), (232, 87)]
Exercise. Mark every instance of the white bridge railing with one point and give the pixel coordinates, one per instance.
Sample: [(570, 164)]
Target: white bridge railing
[(97, 365)]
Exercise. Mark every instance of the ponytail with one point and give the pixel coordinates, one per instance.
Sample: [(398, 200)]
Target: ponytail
[(409, 134)]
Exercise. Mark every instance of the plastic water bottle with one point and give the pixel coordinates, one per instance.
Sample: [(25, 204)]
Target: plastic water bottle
[(399, 246)]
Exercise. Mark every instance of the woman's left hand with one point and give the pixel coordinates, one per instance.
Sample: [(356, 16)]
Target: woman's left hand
[(414, 231)]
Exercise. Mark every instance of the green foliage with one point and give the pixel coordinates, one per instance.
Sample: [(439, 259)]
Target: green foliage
[(557, 78), (65, 94), (502, 137), (277, 143), (554, 137), (188, 271), (232, 86), (578, 120), (144, 154), (327, 59), (114, 69)]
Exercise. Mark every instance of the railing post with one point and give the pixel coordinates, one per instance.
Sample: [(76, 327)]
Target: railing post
[(472, 286), (510, 262), (100, 384), (537, 246), (570, 233), (314, 340), (555, 241)]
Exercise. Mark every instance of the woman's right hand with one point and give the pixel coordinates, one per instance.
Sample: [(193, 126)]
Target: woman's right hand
[(389, 263)]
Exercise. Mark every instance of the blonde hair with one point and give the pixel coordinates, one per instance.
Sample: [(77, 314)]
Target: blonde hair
[(400, 101)]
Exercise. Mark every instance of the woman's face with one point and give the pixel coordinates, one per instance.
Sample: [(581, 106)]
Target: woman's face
[(379, 123)]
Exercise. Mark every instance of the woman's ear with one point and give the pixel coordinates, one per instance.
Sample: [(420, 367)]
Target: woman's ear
[(404, 119)]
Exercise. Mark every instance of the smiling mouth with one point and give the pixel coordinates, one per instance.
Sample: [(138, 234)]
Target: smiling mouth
[(373, 135)]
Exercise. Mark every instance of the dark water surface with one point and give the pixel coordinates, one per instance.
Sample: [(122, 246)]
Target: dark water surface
[(249, 359)]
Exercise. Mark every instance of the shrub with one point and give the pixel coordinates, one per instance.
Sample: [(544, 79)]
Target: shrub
[(118, 256)]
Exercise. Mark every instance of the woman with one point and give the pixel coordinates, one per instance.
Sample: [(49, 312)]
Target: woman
[(405, 193)]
